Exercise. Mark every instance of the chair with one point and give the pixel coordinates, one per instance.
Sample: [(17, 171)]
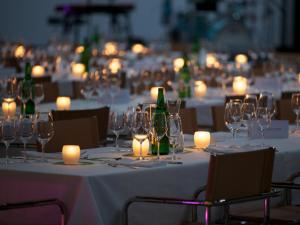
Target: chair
[(218, 118), (285, 111), (102, 115), (284, 213), (288, 94), (82, 132), (51, 91), (232, 178), (189, 120), (77, 86), (38, 203)]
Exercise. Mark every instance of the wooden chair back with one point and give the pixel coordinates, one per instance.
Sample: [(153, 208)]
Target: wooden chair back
[(102, 115), (285, 111), (218, 118), (239, 175), (288, 94), (82, 132), (189, 120), (51, 91)]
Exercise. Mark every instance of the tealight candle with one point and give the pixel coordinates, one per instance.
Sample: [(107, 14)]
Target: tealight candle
[(211, 60), (202, 139), (178, 63), (154, 93), (9, 107), (239, 85), (241, 59), (136, 147), (38, 71), (110, 48), (20, 51), (79, 49), (63, 103), (200, 88), (71, 154), (78, 69), (138, 48), (115, 65)]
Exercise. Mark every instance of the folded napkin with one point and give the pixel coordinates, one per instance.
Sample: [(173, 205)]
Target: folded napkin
[(139, 163)]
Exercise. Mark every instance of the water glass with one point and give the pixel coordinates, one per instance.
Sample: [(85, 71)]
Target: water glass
[(174, 132), (9, 131), (117, 125), (232, 117), (26, 130), (263, 120), (159, 128)]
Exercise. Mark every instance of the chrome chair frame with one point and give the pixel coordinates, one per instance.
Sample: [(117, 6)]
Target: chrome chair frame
[(38, 203)]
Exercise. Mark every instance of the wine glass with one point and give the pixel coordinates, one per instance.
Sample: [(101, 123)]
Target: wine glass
[(44, 130), (232, 116), (159, 128), (248, 113), (173, 106), (263, 120), (174, 131), (9, 130), (39, 94), (129, 118), (251, 98), (295, 102), (266, 100), (140, 129), (113, 91), (24, 93), (117, 125), (26, 130)]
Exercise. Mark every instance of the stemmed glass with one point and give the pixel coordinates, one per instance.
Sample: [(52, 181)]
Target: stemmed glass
[(263, 120), (159, 128), (173, 106), (266, 100), (232, 116), (140, 129), (38, 95), (9, 130), (117, 125), (129, 118), (26, 130), (44, 130), (24, 93), (174, 132), (295, 102), (113, 91), (248, 113), (251, 98)]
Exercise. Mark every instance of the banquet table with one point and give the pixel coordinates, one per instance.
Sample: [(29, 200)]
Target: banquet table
[(95, 191)]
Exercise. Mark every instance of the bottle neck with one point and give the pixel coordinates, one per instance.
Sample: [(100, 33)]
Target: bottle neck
[(27, 71), (160, 99)]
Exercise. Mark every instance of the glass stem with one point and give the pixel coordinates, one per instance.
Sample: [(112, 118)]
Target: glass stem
[(263, 137), (116, 142), (43, 152), (6, 154), (173, 152), (24, 152), (141, 147), (158, 145)]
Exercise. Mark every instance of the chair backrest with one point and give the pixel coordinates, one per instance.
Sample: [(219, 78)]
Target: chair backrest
[(288, 94), (82, 132), (285, 111), (77, 86), (51, 91), (238, 175), (102, 115), (189, 120), (218, 118)]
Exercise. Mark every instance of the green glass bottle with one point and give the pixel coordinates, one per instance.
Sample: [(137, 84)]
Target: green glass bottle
[(164, 142), (28, 83), (185, 88), (86, 56)]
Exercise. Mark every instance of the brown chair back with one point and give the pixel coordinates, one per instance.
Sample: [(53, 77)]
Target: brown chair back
[(288, 94), (238, 175), (285, 111), (82, 132), (218, 118), (51, 91), (189, 120), (77, 86), (102, 115)]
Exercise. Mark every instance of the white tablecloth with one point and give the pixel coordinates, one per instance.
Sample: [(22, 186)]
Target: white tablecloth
[(96, 193)]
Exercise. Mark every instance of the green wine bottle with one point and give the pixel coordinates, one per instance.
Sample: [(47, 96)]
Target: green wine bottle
[(86, 56), (28, 83), (164, 142), (185, 88)]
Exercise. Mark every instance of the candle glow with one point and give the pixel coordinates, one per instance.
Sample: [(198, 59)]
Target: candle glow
[(63, 103), (38, 71), (136, 147), (19, 51), (200, 88), (211, 60), (71, 154), (239, 85), (114, 65), (178, 63), (202, 139), (78, 69), (9, 107), (110, 48), (241, 59), (154, 93)]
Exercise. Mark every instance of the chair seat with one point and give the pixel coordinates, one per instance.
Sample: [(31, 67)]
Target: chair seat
[(279, 215)]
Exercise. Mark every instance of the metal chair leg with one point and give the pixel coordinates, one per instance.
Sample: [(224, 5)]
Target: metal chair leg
[(207, 215), (266, 211)]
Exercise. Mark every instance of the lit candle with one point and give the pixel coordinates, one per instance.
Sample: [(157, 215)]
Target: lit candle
[(202, 139), (110, 48), (63, 103), (9, 107), (239, 85), (79, 49), (200, 88), (241, 59), (19, 51), (38, 71), (138, 48), (211, 60), (154, 93), (114, 65), (78, 69), (178, 63), (71, 154), (136, 147)]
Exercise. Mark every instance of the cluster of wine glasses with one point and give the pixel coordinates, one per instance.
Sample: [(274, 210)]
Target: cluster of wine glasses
[(25, 128), (242, 114)]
